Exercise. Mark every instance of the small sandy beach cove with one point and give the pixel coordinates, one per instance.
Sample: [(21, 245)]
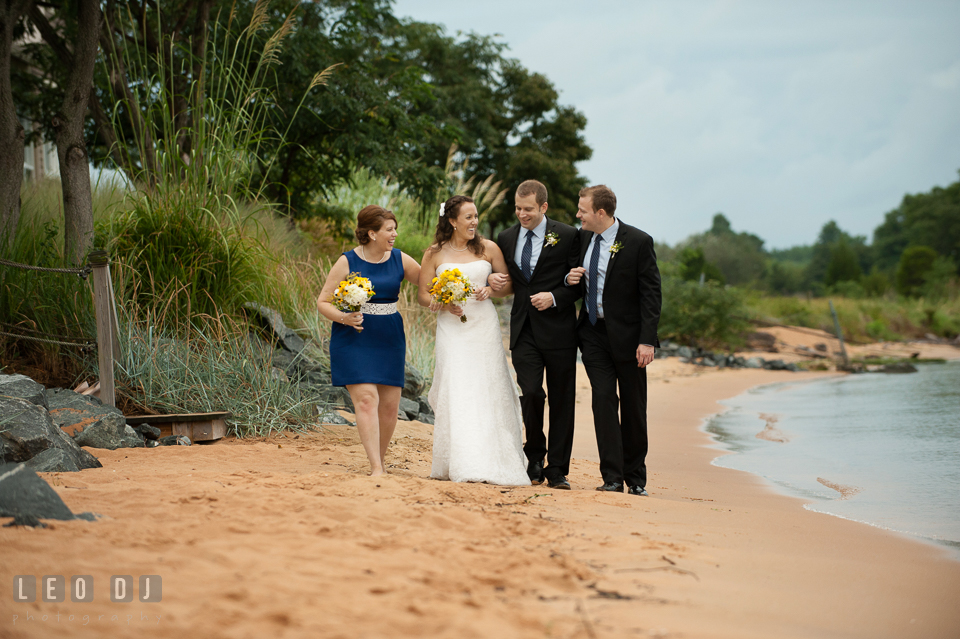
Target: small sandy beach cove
[(287, 537)]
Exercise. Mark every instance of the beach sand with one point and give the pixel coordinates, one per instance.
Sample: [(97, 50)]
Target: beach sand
[(287, 537)]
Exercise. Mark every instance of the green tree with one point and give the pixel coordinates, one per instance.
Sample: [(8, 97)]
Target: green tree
[(843, 266), (927, 219), (830, 237), (738, 256), (693, 263), (915, 263)]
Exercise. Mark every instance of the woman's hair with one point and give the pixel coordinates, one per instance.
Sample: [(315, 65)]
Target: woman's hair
[(372, 218), (451, 211)]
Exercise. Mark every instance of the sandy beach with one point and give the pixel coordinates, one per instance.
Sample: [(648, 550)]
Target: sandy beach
[(287, 537)]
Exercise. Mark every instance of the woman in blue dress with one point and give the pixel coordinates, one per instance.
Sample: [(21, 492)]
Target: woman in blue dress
[(370, 363)]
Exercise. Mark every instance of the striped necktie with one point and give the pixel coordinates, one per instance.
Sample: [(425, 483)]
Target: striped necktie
[(526, 255), (592, 284)]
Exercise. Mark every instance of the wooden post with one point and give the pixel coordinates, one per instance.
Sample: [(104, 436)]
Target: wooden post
[(106, 337), (836, 325)]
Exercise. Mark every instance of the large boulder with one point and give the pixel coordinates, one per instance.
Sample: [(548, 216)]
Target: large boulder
[(52, 460), (409, 409), (27, 498), (91, 423), (109, 434), (414, 382), (23, 387), (29, 430), (334, 397), (281, 332)]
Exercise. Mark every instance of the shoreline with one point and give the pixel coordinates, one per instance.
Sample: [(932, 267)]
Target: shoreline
[(949, 546), (285, 536)]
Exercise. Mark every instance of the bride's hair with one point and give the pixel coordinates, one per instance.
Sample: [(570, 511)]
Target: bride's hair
[(451, 211)]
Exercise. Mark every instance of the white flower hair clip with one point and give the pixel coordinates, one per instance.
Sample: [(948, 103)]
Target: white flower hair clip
[(442, 206)]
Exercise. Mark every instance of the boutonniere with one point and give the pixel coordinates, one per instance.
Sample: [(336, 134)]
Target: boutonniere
[(615, 248), (551, 238)]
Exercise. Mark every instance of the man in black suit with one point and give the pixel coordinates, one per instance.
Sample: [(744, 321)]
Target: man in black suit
[(539, 253), (617, 330)]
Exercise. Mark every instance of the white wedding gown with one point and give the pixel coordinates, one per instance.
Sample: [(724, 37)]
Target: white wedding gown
[(477, 434)]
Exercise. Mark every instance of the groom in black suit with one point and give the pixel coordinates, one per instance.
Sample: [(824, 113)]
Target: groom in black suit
[(617, 329), (539, 253)]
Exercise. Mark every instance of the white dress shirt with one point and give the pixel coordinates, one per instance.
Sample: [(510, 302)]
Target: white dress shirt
[(606, 241)]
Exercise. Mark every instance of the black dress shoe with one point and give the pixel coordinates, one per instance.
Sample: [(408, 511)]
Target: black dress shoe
[(560, 483), (611, 487), (535, 472), (637, 490)]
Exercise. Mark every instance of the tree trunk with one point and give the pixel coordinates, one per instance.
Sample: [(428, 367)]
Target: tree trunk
[(11, 131), (71, 146)]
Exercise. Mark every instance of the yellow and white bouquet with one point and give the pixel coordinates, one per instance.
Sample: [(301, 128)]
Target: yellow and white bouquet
[(451, 287), (351, 294)]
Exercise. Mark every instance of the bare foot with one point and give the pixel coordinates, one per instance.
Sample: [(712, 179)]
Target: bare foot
[(377, 472)]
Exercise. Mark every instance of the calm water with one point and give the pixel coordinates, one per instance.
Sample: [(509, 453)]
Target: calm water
[(891, 442)]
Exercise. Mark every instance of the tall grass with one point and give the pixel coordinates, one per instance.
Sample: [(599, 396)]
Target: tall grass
[(44, 304), (865, 320), (217, 368), (188, 239)]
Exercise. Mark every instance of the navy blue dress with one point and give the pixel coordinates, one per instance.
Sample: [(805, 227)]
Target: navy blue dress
[(377, 354)]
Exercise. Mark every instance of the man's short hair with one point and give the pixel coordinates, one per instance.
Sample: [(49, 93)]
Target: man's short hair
[(532, 187), (602, 198)]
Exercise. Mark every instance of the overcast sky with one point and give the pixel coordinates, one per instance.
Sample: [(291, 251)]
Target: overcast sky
[(782, 115)]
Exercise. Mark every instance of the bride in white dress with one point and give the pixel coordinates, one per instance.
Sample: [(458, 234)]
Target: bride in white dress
[(477, 435)]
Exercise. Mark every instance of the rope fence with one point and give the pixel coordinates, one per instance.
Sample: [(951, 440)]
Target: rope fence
[(107, 343)]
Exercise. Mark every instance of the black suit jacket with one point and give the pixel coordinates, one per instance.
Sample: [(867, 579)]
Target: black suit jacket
[(631, 291), (554, 327)]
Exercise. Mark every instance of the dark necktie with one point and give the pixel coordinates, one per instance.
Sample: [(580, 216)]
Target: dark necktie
[(592, 284), (526, 255)]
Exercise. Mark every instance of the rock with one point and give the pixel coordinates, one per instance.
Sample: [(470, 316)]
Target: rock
[(820, 347), (74, 412), (25, 496), (413, 382), (706, 361), (23, 387), (900, 367), (279, 375), (272, 319), (147, 431), (426, 419), (793, 367), (425, 407), (754, 362), (739, 362), (299, 365), (109, 433), (28, 430), (175, 440), (685, 352), (410, 407), (52, 460), (775, 365), (152, 443), (333, 417), (334, 396), (762, 342)]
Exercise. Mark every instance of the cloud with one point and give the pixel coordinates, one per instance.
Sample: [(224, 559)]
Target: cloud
[(781, 115)]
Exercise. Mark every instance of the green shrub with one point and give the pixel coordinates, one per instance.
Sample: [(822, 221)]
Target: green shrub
[(915, 263), (709, 315)]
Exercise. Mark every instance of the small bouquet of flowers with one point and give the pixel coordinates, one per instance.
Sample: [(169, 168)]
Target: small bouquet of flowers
[(451, 287), (351, 294)]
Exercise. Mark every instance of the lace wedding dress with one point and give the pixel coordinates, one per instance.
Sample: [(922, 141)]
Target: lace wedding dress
[(477, 432)]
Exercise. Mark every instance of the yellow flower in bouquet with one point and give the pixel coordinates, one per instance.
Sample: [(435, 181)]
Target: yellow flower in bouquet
[(451, 287), (351, 294)]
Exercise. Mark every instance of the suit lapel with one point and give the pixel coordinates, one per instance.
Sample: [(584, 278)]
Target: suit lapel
[(512, 234), (613, 261)]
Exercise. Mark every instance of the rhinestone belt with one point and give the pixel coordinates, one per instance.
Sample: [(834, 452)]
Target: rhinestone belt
[(379, 309)]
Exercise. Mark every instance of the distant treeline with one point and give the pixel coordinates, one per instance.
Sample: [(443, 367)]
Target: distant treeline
[(915, 252)]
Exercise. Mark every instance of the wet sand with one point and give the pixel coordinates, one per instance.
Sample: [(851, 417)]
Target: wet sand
[(286, 537)]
